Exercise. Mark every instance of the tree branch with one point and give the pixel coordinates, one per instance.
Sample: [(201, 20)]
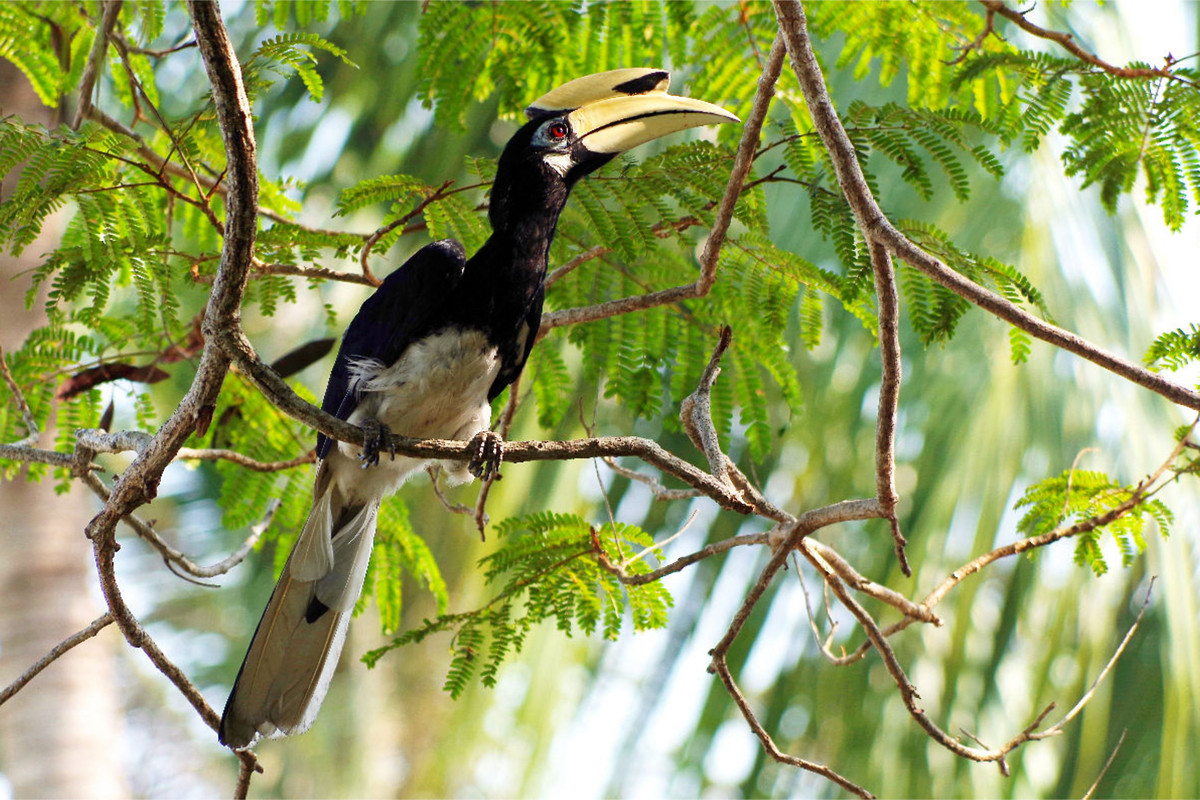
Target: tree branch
[(139, 482), (33, 432), (91, 71), (769, 745), (1068, 43), (744, 159), (55, 653), (889, 393), (878, 228)]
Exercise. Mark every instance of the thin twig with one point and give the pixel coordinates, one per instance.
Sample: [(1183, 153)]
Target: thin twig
[(374, 238), (246, 769), (576, 262), (312, 272), (695, 412), (751, 134), (989, 28), (189, 453), (655, 486), (659, 545), (1068, 43), (434, 471), (175, 560), (769, 745), (1104, 770), (1144, 489), (33, 431), (1141, 491), (55, 653), (1057, 727)]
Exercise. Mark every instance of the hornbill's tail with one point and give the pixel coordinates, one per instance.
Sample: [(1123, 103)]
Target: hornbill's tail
[(295, 649)]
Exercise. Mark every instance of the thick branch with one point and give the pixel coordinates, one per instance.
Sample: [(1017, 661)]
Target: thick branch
[(287, 401)]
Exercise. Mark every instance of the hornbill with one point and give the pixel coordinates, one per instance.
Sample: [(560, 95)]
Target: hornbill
[(439, 339)]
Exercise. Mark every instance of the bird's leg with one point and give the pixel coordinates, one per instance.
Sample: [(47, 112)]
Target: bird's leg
[(376, 440), (487, 451)]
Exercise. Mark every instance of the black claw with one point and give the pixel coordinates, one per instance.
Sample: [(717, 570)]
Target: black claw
[(376, 441), (487, 451)]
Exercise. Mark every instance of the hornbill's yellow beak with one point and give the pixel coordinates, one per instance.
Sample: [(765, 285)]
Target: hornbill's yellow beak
[(611, 112)]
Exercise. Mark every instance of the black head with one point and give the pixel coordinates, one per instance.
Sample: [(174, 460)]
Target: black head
[(581, 126)]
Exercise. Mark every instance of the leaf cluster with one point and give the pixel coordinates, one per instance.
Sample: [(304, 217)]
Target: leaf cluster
[(651, 360), (510, 51), (1175, 349), (548, 567), (1082, 496), (1116, 127)]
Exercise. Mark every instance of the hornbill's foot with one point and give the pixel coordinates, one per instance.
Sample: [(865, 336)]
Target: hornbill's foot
[(487, 451), (376, 435)]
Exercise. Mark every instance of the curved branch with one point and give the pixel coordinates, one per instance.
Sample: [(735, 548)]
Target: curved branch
[(139, 483), (1068, 43), (879, 229)]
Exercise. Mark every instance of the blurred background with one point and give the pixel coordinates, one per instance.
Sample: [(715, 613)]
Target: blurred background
[(641, 717)]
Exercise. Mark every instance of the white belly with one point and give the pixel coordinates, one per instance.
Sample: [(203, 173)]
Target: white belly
[(436, 390)]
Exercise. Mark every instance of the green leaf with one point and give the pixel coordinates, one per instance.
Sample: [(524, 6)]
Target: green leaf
[(550, 567), (1080, 496), (1175, 349)]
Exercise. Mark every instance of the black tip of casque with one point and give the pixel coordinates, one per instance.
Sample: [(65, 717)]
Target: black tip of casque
[(647, 83)]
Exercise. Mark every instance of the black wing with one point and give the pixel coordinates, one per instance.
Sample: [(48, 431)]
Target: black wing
[(401, 308)]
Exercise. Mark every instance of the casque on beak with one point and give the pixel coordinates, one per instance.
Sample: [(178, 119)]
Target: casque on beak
[(611, 112)]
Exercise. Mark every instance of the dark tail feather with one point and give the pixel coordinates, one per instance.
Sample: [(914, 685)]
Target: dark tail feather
[(296, 646)]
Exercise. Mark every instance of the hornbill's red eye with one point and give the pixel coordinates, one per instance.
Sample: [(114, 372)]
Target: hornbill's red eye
[(557, 131)]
